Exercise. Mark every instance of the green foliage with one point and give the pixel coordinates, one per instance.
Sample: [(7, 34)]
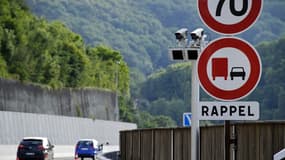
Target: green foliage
[(147, 120), (3, 68), (173, 108), (129, 26), (143, 30), (129, 113), (49, 53), (270, 91), (34, 50), (168, 92), (168, 83)]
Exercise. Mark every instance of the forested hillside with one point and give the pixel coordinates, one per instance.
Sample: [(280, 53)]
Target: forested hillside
[(50, 54), (142, 30), (271, 90), (35, 50), (167, 92)]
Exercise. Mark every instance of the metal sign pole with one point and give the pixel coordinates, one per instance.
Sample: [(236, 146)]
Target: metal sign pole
[(187, 53), (227, 145), (195, 127)]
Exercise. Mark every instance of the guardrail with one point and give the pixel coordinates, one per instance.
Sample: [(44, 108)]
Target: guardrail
[(61, 130)]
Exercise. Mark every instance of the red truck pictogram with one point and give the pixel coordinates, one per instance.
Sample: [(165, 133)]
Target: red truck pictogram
[(220, 67)]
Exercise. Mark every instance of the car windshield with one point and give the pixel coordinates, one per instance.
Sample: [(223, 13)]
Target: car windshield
[(29, 142), (237, 69), (85, 143)]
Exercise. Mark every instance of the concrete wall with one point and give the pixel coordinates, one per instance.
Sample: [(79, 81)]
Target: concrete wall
[(90, 103), (61, 130)]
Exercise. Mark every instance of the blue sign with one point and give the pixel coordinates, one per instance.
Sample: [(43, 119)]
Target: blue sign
[(187, 119)]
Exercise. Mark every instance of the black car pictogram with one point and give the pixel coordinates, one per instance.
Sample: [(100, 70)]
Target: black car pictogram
[(237, 72)]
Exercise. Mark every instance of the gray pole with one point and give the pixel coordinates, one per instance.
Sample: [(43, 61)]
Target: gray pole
[(195, 127), (195, 99), (117, 116), (198, 44), (227, 145)]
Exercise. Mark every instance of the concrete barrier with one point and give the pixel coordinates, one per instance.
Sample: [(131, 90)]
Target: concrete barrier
[(61, 130), (16, 96)]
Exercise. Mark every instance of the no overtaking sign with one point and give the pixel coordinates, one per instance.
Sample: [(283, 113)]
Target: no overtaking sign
[(229, 69)]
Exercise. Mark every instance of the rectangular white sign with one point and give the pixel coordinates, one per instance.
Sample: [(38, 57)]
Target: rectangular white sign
[(240, 110)]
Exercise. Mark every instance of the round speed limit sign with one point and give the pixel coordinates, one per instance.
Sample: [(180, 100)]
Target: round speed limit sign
[(229, 17)]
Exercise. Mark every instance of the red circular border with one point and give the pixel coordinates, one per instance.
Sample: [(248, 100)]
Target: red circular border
[(247, 87), (232, 28)]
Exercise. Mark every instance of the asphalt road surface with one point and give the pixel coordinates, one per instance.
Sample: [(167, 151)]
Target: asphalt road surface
[(71, 158), (8, 152)]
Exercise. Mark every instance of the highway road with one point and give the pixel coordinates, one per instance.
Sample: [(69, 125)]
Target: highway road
[(71, 158), (8, 152)]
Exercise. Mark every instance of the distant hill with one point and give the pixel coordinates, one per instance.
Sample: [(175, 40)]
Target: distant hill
[(143, 30)]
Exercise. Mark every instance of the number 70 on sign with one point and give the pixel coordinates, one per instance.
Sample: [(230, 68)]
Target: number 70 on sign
[(229, 17)]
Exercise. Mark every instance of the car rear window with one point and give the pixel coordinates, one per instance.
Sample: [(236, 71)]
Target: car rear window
[(238, 69), (30, 142), (84, 143)]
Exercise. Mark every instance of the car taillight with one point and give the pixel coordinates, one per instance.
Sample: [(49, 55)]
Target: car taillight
[(20, 146), (41, 148)]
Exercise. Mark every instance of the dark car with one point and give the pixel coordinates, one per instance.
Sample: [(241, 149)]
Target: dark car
[(237, 72), (35, 148), (86, 148)]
